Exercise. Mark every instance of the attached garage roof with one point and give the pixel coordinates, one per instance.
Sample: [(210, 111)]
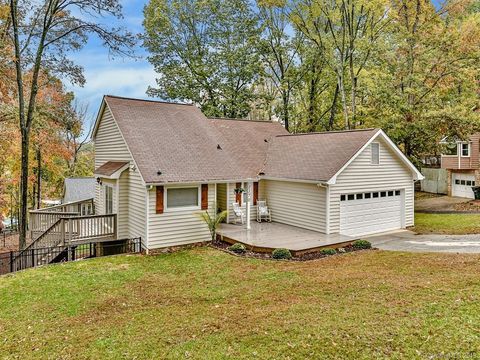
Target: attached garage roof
[(313, 156)]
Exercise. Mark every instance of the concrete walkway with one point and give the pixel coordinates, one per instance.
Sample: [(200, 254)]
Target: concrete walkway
[(405, 240)]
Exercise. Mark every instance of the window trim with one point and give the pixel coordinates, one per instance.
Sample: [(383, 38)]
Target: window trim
[(468, 148), (371, 150), (182, 208)]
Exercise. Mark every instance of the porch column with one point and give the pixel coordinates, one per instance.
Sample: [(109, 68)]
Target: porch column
[(248, 203)]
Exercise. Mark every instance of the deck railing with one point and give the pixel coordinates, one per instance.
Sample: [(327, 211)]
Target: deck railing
[(43, 219)]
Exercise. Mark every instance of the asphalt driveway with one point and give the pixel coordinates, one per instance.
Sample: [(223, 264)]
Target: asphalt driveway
[(408, 241)]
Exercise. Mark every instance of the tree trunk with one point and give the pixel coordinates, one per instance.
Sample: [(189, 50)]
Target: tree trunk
[(285, 109), (39, 178), (331, 121), (341, 88), (24, 189)]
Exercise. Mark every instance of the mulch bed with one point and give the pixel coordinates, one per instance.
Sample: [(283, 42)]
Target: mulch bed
[(221, 245)]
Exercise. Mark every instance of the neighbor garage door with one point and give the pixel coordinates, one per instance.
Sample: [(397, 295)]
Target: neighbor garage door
[(371, 212), (462, 185)]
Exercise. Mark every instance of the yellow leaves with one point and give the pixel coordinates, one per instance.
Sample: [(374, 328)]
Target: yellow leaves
[(4, 12), (271, 3)]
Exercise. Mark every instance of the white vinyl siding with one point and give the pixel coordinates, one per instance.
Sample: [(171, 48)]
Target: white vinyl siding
[(297, 204), (123, 205), (110, 146), (362, 176), (179, 227)]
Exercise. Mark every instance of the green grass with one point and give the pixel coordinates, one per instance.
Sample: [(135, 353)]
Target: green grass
[(459, 224), (205, 304)]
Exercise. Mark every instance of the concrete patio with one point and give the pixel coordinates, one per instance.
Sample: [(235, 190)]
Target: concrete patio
[(264, 237)]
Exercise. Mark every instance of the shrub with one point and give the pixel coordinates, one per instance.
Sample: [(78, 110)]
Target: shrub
[(328, 251), (238, 248), (361, 244), (281, 254)]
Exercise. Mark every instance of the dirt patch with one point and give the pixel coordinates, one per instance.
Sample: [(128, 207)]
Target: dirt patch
[(221, 245), (473, 205), (424, 195), (8, 242)]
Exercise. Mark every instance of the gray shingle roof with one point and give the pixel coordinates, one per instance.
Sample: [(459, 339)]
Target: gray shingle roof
[(178, 141), (313, 156), (181, 143), (77, 189)]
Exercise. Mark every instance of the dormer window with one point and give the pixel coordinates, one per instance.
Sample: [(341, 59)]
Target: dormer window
[(465, 149)]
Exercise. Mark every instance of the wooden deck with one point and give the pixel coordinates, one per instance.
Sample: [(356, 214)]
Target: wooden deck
[(264, 237)]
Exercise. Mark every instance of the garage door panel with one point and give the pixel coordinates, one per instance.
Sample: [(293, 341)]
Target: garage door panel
[(373, 214), (462, 185)]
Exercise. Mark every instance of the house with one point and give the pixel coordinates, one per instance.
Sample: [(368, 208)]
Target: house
[(158, 164), (461, 161), (76, 191)]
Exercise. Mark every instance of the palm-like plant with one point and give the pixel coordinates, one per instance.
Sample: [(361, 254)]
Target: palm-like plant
[(212, 221)]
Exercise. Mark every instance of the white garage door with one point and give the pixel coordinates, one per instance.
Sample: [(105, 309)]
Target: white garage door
[(371, 212), (462, 185)]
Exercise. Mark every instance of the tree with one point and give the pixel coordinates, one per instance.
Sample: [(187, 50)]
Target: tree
[(278, 49), (345, 32), (203, 51), (43, 34), (427, 81)]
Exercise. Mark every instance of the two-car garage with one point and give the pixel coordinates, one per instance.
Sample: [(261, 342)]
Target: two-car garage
[(371, 212)]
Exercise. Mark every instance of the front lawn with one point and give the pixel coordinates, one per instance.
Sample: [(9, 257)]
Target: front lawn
[(205, 304), (459, 224)]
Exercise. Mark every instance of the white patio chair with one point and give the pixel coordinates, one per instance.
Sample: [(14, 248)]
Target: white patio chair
[(263, 212), (239, 213)]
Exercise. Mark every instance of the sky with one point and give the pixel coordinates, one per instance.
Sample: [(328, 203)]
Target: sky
[(113, 76)]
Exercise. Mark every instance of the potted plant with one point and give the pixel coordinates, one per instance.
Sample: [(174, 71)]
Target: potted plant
[(239, 190)]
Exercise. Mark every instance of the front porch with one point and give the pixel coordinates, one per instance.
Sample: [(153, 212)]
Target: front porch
[(265, 237)]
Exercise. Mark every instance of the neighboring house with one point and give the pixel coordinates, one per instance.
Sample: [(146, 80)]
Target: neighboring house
[(461, 160), (78, 190), (158, 164)]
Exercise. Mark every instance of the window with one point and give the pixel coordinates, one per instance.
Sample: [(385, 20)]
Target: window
[(469, 183), (390, 193), (457, 182), (182, 197), (368, 195), (465, 149), (351, 197), (342, 198), (462, 182), (375, 153), (359, 196), (383, 194), (397, 192), (108, 199), (375, 195)]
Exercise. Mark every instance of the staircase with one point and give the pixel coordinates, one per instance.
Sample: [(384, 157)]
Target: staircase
[(53, 233)]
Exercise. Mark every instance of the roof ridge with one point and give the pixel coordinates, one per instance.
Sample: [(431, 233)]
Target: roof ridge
[(148, 100), (233, 119), (328, 132)]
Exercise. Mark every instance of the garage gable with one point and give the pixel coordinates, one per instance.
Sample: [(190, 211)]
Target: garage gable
[(389, 153)]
